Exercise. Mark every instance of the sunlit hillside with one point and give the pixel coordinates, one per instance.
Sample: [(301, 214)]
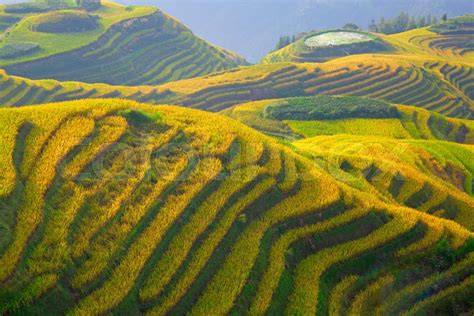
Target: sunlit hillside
[(451, 39), (127, 208), (404, 155), (144, 171)]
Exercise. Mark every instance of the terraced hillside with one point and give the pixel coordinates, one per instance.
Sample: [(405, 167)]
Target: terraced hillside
[(444, 87), (130, 46), (114, 206), (405, 155), (302, 117), (327, 45), (451, 39)]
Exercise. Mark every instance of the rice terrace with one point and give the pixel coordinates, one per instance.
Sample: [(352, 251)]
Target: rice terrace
[(147, 171)]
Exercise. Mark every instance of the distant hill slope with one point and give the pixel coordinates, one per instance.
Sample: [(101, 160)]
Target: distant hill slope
[(438, 85), (125, 208), (452, 38), (326, 45), (131, 46)]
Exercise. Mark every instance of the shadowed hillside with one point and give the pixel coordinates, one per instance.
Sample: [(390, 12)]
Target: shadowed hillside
[(444, 87)]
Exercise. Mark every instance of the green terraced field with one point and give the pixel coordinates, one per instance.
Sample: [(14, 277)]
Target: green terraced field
[(53, 43), (131, 46), (119, 208)]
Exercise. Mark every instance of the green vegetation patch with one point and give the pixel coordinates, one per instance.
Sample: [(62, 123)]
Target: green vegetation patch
[(139, 118), (460, 25), (392, 128), (65, 22), (338, 38), (330, 108), (55, 43), (18, 50)]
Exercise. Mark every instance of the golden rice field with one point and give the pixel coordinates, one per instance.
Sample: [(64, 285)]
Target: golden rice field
[(326, 184), (111, 206)]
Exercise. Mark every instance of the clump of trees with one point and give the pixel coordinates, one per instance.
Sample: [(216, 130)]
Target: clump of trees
[(403, 22), (287, 40), (351, 27)]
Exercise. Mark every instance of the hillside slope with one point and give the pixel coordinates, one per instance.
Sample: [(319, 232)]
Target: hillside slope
[(154, 209), (452, 39), (405, 155), (131, 46), (438, 85), (327, 45)]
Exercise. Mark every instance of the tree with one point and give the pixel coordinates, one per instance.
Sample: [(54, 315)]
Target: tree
[(400, 23), (421, 21), (373, 27), (444, 17), (412, 24), (429, 20), (351, 26)]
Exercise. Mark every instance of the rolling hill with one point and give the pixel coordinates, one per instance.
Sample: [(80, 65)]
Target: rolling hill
[(114, 44), (409, 156), (441, 86), (327, 45), (126, 208), (453, 38), (336, 180)]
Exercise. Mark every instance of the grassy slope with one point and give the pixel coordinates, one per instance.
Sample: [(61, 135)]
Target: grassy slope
[(214, 223)]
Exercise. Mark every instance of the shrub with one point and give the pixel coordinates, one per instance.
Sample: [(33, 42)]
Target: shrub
[(65, 22), (330, 108)]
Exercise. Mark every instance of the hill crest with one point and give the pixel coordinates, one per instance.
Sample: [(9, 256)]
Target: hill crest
[(130, 46)]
